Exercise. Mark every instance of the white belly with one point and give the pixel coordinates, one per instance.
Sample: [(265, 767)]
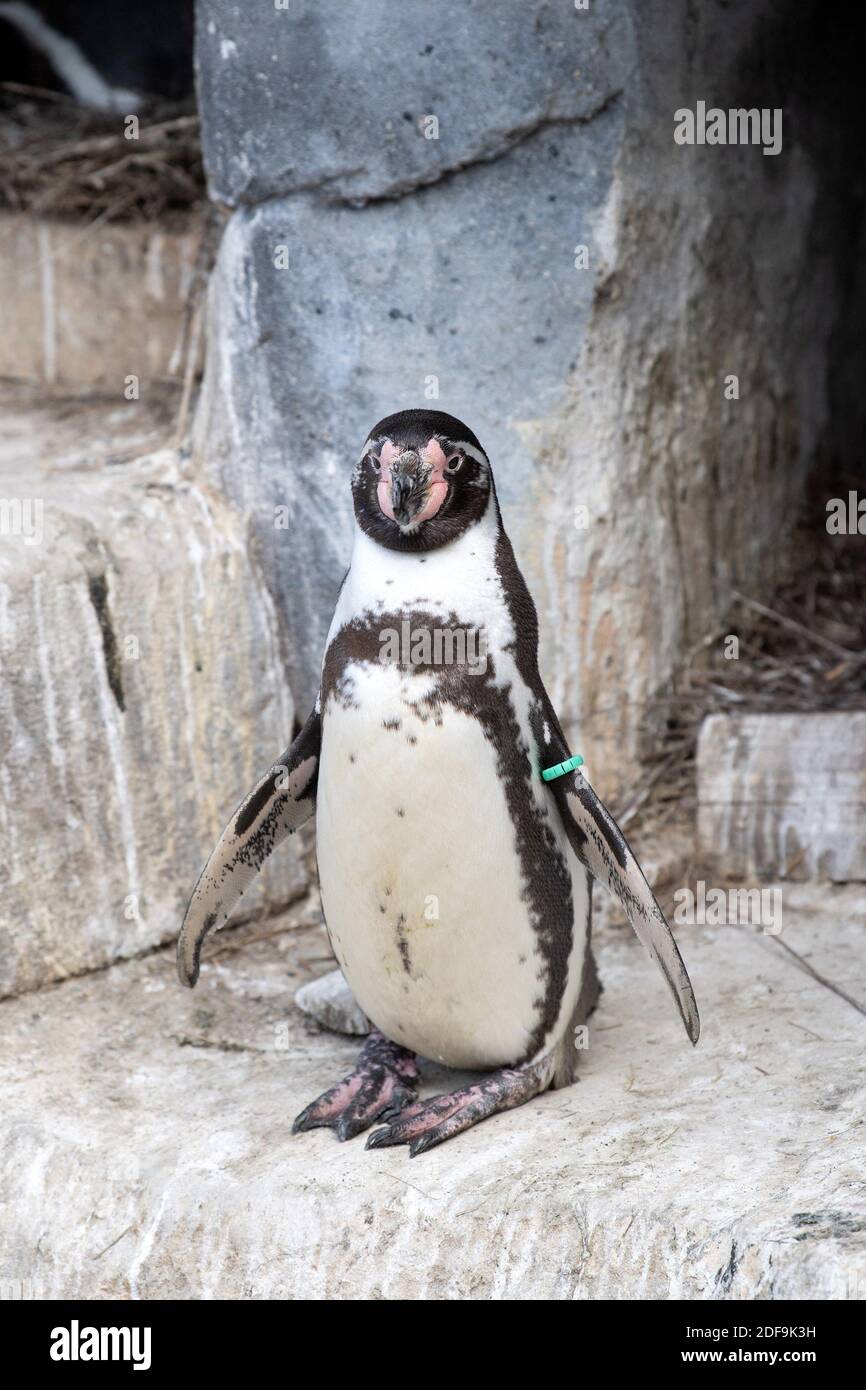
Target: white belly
[(421, 879)]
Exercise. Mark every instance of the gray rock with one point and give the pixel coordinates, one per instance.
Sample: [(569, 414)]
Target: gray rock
[(332, 96), (94, 301), (330, 1002), (783, 795), (733, 1170), (141, 697)]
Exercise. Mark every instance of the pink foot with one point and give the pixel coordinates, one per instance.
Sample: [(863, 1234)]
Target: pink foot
[(384, 1082), (431, 1122)]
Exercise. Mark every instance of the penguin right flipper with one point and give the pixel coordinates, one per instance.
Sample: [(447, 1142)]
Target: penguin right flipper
[(602, 848), (278, 804)]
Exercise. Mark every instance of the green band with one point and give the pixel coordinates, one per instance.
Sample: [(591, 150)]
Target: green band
[(560, 769)]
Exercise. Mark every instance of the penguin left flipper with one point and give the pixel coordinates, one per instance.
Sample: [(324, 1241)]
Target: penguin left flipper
[(602, 848), (278, 804)]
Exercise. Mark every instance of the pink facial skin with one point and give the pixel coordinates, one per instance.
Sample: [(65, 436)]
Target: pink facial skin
[(383, 491), (434, 455)]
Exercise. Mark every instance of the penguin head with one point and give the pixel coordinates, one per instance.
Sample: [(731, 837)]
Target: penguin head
[(421, 481)]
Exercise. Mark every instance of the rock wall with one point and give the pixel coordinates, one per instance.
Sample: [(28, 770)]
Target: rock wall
[(140, 699), (782, 796), (90, 299), (408, 199)]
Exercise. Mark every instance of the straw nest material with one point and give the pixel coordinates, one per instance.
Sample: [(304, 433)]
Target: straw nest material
[(58, 160), (801, 651)]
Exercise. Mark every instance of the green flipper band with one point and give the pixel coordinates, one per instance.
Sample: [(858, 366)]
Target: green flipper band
[(560, 769)]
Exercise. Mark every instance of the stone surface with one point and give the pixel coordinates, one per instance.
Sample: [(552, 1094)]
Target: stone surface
[(329, 1001), (141, 692), (636, 493), (146, 1146), (783, 795), (94, 304), (334, 96)]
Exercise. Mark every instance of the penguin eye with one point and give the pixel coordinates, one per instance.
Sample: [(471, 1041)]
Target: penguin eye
[(454, 464), (376, 465)]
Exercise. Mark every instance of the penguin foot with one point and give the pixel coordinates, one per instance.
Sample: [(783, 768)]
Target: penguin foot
[(383, 1083), (431, 1122)]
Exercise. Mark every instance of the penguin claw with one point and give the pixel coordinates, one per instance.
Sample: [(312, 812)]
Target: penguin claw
[(427, 1141), (404, 1103), (381, 1139), (303, 1121)]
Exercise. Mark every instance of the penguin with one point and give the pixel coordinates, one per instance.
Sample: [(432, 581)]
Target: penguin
[(456, 881)]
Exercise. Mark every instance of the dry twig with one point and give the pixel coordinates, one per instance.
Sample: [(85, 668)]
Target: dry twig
[(61, 161)]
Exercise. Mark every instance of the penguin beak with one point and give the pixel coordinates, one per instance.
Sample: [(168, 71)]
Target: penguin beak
[(407, 498), (404, 489)]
